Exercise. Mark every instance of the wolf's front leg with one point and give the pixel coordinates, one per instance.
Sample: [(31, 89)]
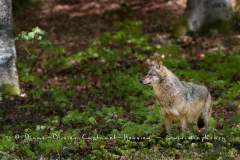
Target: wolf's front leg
[(168, 125), (183, 123)]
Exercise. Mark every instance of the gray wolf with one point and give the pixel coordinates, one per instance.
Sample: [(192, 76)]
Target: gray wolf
[(180, 101)]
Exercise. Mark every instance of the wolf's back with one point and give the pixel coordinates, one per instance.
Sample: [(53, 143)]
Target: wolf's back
[(195, 91)]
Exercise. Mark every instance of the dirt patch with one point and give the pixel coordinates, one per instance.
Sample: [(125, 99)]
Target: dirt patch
[(77, 23)]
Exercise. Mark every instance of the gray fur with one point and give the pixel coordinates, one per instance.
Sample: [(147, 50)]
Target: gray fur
[(180, 101)]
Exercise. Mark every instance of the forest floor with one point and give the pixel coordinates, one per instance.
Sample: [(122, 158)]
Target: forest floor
[(78, 23), (83, 80)]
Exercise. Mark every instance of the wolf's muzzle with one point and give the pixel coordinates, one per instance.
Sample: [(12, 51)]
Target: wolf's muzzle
[(142, 82)]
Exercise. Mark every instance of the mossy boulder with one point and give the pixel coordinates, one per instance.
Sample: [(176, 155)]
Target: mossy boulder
[(10, 89)]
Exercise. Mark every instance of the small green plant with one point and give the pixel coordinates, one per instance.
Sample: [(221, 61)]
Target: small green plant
[(39, 46), (7, 143), (76, 117)]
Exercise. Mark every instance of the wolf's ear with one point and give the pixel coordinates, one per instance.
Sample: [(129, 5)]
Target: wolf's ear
[(158, 64)]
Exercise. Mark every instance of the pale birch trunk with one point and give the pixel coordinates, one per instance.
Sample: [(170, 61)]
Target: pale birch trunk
[(204, 13), (8, 72)]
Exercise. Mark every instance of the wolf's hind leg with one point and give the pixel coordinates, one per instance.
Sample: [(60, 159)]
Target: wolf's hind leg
[(206, 121), (206, 115), (168, 126)]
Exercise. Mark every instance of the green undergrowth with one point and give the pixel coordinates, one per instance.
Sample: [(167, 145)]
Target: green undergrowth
[(99, 110)]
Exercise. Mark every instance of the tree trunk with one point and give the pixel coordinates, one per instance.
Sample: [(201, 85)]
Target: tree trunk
[(8, 72), (205, 13)]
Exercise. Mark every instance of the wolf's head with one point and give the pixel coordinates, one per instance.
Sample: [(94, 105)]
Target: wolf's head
[(153, 75)]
